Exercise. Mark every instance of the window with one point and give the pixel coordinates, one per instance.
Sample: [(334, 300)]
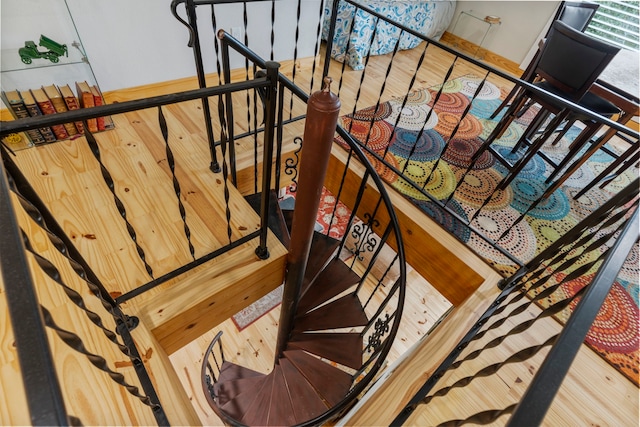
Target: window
[(617, 22)]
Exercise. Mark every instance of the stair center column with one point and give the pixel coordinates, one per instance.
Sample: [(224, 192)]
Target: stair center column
[(323, 109)]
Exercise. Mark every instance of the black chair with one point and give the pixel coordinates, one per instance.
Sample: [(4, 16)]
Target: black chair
[(577, 15), (569, 63)]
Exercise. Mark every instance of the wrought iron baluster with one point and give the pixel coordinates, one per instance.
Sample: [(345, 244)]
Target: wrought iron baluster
[(176, 184), (74, 296), (76, 343), (78, 265), (106, 175), (381, 92), (295, 58)]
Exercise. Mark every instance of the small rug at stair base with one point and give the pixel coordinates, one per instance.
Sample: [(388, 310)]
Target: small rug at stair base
[(250, 314), (614, 334)]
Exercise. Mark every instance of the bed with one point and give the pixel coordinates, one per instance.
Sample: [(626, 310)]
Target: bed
[(430, 18)]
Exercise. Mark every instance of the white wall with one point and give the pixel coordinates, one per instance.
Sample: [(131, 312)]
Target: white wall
[(522, 22), (132, 43)]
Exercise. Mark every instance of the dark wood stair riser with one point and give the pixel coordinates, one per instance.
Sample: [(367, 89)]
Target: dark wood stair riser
[(307, 404), (228, 390), (343, 348), (238, 406), (322, 249), (329, 382), (333, 280), (277, 221), (258, 412), (346, 312), (281, 408)]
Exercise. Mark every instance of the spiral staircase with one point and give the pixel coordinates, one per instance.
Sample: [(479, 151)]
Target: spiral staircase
[(306, 380), (342, 319)]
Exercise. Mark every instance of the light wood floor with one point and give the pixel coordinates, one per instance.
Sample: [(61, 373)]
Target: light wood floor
[(596, 386)]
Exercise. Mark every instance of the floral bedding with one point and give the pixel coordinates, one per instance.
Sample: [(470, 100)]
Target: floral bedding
[(429, 18)]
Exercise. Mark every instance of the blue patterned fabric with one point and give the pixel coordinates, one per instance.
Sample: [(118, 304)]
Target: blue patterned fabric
[(430, 18)]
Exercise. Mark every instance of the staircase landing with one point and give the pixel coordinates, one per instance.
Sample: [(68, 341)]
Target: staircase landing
[(179, 311)]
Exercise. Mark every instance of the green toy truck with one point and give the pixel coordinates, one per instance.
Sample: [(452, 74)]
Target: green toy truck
[(30, 51)]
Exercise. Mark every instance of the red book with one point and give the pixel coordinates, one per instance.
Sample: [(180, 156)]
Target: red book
[(46, 106), (97, 100), (87, 101), (56, 99), (108, 122), (72, 103)]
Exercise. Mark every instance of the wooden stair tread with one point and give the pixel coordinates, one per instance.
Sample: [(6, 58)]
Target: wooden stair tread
[(184, 308), (307, 404), (337, 277), (345, 312), (322, 249), (257, 413), (331, 383), (288, 218), (230, 381), (237, 407), (343, 348), (281, 411), (277, 222), (231, 371)]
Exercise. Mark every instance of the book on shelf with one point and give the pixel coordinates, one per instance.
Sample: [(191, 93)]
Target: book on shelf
[(16, 105), (85, 96), (46, 106), (60, 106), (34, 111), (72, 103), (98, 99), (17, 141)]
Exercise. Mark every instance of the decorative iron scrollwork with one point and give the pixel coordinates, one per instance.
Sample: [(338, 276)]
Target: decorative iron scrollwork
[(365, 239), (380, 329), (291, 165)]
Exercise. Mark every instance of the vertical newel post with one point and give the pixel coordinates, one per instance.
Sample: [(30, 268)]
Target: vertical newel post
[(323, 108), (194, 42), (267, 154)]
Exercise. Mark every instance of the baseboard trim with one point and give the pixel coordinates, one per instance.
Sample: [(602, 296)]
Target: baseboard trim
[(487, 56)]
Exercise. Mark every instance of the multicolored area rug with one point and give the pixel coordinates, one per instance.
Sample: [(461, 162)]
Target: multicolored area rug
[(614, 334)]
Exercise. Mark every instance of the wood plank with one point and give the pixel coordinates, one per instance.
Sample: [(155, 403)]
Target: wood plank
[(232, 380), (13, 405), (239, 406), (185, 309), (82, 383), (486, 55), (173, 398), (401, 382), (257, 413)]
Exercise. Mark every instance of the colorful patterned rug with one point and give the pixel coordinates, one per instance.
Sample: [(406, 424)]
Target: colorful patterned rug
[(614, 334)]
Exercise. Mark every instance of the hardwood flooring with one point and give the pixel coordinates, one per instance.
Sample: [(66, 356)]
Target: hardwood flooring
[(596, 395)]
